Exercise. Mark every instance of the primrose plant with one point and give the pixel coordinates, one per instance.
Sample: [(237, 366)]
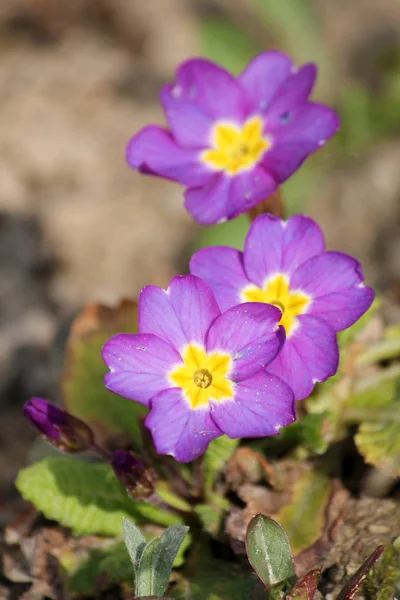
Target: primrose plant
[(268, 552), (224, 353)]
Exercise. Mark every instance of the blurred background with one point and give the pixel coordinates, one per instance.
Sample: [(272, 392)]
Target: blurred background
[(79, 77)]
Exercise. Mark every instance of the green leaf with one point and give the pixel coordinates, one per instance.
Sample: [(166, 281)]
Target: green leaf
[(379, 441), (155, 565), (134, 541), (268, 550), (303, 519), (146, 579), (215, 459), (227, 44), (84, 393), (84, 496), (170, 544), (377, 409)]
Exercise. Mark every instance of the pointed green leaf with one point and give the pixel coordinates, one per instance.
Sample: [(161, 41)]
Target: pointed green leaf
[(134, 541), (84, 496), (170, 543), (268, 550), (155, 565)]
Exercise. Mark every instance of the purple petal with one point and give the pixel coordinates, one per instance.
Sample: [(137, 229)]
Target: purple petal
[(177, 429), (222, 268), (138, 365), (209, 87), (262, 78), (249, 332), (290, 96), (180, 315), (190, 126), (194, 302), (275, 246), (261, 406), (225, 197), (335, 282), (311, 354), (154, 151), (296, 140), (157, 316)]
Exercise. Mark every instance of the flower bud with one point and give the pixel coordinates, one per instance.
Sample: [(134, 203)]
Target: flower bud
[(134, 474), (62, 430)]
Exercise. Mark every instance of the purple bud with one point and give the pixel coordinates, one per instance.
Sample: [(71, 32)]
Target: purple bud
[(134, 474), (62, 430)]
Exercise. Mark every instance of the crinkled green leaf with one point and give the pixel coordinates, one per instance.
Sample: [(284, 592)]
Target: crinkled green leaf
[(377, 409), (379, 441), (303, 519), (84, 393), (268, 550), (84, 496), (216, 457)]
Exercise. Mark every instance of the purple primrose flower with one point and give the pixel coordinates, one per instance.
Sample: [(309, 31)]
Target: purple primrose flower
[(285, 264), (200, 372), (232, 141)]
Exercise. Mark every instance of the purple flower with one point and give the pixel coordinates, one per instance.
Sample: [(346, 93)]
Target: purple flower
[(200, 372), (285, 264), (232, 141), (62, 430)]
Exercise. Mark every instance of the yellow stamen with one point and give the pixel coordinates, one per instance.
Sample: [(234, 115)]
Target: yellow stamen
[(203, 377), (236, 149), (277, 291)]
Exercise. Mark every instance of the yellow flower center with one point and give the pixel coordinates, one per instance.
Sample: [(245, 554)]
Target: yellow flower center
[(203, 377), (236, 149), (277, 291)]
